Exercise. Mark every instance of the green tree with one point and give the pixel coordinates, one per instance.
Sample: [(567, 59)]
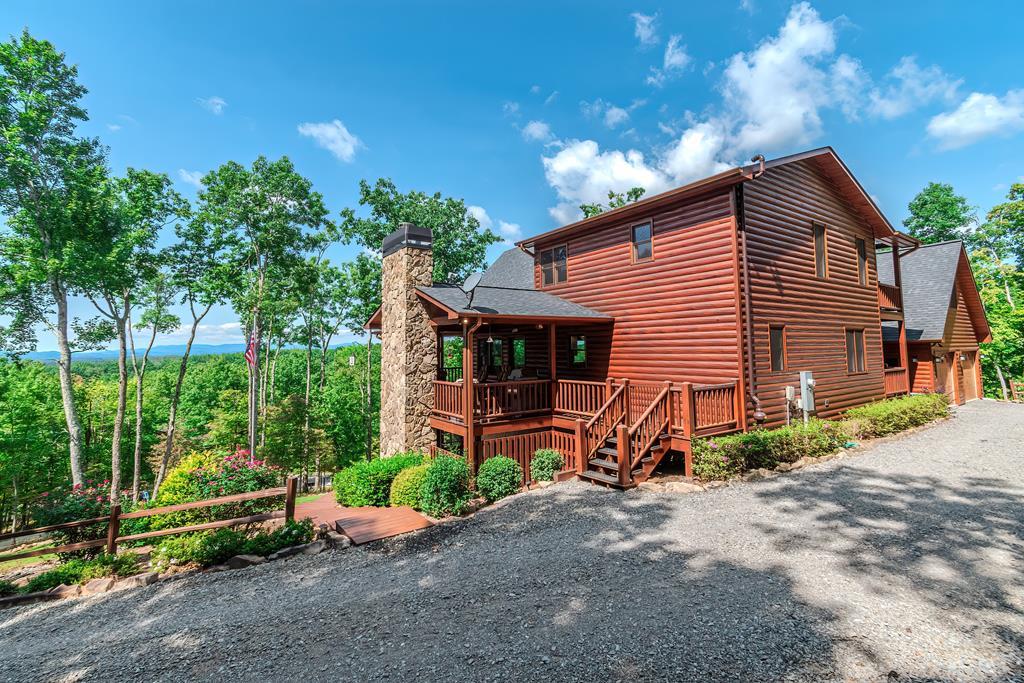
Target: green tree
[(938, 214), (267, 213), (51, 183), (615, 200)]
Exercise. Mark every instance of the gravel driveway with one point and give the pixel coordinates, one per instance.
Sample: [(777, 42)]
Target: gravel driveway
[(902, 562)]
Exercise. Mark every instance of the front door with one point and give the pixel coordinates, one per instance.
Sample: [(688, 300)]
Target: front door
[(970, 368)]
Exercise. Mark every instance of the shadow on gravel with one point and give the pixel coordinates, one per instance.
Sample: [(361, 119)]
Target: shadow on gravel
[(574, 584), (959, 547)]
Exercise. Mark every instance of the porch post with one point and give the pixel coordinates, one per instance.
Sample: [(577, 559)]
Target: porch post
[(553, 363), (468, 373), (904, 353), (896, 275)]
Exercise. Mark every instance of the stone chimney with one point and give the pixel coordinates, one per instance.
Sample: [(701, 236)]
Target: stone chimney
[(408, 342)]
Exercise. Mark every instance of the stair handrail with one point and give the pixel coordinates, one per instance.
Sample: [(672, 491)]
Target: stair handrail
[(613, 400), (639, 450)]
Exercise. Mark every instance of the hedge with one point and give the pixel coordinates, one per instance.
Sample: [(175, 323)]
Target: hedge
[(405, 489), (896, 415), (727, 456), (445, 488), (545, 464), (369, 482)]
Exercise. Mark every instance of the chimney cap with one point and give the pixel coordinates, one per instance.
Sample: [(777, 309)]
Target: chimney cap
[(408, 235)]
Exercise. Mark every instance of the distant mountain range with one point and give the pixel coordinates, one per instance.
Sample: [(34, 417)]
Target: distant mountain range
[(157, 352)]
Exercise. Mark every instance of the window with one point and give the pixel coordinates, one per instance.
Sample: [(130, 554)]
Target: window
[(519, 352), (643, 242), (777, 347), (578, 350), (820, 251), (497, 354), (552, 265), (862, 261), (855, 351)]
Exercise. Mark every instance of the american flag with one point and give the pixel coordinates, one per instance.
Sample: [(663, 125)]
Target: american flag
[(250, 352)]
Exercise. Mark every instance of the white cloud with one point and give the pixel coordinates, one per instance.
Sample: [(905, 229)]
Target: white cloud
[(208, 333), (510, 108), (747, 6), (581, 173), (214, 104), (113, 127), (979, 116), (551, 98), (610, 114), (645, 28), (674, 61), (535, 89), (537, 131), (191, 177), (848, 83), (696, 153), (334, 137), (910, 87), (510, 232)]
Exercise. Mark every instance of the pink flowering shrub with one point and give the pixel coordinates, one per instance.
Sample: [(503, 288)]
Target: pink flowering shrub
[(209, 474), (72, 503)]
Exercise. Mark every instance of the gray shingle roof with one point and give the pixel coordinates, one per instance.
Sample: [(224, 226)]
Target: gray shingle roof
[(928, 275), (506, 288)]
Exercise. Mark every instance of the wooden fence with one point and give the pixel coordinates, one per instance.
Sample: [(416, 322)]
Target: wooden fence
[(113, 521)]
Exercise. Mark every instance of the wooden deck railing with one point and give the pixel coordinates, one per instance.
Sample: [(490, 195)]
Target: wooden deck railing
[(113, 521), (450, 374), (889, 296), (448, 399), (896, 381), (573, 397), (636, 442), (500, 399)]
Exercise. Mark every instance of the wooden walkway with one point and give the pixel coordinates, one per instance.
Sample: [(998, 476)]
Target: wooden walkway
[(363, 524)]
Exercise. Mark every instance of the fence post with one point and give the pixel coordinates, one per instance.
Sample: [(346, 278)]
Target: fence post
[(581, 446), (625, 469), (670, 406), (627, 394), (609, 388), (113, 528), (689, 421), (289, 498)]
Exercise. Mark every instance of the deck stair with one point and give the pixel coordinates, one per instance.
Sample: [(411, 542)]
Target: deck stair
[(620, 452)]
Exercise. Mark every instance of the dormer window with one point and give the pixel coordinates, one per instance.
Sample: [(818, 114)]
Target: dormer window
[(553, 265)]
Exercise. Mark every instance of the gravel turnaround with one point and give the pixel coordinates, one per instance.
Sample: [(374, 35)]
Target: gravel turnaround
[(901, 562)]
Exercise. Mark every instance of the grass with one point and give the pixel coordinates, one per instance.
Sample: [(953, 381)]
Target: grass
[(308, 498), (14, 564)]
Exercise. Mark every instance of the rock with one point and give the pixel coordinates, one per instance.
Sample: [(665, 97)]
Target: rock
[(682, 487), (240, 561), (97, 586), (650, 486), (784, 467), (285, 552), (314, 548), (337, 540), (139, 580), (715, 484), (824, 458), (474, 505), (218, 568), (544, 484), (759, 474), (65, 591)]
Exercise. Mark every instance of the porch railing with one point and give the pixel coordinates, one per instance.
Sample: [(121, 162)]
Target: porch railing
[(896, 381), (450, 374), (498, 399), (889, 296), (574, 397), (645, 432), (448, 399)]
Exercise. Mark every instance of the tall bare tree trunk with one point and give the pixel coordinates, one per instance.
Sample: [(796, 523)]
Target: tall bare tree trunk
[(172, 416), (140, 376), (305, 407), (1002, 383), (67, 388), (122, 405)]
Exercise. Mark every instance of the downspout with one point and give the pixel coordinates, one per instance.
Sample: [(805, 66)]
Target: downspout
[(759, 415)]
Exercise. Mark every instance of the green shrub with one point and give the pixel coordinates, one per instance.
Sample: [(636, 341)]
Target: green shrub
[(445, 488), (7, 588), (214, 547), (546, 463), (498, 477), (73, 503), (405, 489), (896, 414), (82, 570), (201, 476), (369, 482), (727, 456)]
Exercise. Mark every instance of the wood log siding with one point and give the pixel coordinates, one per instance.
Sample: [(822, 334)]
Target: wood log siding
[(675, 315), (779, 209), (962, 336)]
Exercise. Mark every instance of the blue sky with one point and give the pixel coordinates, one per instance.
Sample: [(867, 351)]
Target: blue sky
[(528, 109)]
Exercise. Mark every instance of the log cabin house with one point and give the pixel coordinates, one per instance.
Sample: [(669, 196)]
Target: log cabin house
[(619, 338), (945, 321)]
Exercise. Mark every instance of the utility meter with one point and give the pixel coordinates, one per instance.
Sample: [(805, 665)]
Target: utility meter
[(807, 384)]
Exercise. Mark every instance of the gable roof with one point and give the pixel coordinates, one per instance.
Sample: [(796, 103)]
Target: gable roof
[(825, 157), (929, 275), (506, 290)]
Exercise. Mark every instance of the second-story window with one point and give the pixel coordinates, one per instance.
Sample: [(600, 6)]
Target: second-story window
[(553, 265), (643, 242), (862, 261), (820, 250)]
